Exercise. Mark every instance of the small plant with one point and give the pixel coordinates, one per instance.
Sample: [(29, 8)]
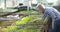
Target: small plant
[(23, 21)]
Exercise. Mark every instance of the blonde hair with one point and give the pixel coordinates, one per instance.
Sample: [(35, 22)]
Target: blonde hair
[(40, 5)]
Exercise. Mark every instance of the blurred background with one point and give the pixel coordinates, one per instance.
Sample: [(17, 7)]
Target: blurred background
[(18, 15), (28, 3)]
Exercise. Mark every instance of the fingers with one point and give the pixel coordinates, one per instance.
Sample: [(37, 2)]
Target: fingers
[(34, 20)]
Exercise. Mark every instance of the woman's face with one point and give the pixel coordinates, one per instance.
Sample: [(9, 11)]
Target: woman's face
[(41, 10)]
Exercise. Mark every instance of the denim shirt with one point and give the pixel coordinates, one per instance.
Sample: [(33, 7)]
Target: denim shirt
[(51, 12)]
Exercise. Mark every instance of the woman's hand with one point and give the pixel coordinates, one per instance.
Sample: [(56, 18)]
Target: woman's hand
[(39, 19)]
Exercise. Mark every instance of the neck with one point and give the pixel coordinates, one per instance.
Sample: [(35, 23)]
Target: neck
[(42, 10)]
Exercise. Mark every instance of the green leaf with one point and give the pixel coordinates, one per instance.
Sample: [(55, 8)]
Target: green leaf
[(23, 21)]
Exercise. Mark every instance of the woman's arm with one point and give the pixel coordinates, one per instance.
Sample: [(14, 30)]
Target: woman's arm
[(39, 19), (53, 23)]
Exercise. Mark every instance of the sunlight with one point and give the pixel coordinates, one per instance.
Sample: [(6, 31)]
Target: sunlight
[(34, 1), (51, 1)]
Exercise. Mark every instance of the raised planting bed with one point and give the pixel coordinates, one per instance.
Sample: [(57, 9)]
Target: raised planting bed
[(10, 19), (31, 12), (25, 25), (7, 11)]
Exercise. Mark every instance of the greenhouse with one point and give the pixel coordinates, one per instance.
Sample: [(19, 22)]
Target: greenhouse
[(20, 15)]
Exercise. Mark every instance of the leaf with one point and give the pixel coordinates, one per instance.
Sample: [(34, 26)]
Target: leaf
[(23, 21)]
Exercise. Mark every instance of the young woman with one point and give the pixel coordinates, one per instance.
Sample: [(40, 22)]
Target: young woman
[(51, 12)]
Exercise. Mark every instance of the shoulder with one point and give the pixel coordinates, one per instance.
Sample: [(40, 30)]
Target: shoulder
[(48, 9)]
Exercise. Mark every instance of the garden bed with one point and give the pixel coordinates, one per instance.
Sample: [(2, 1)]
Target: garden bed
[(31, 12), (25, 24), (28, 26)]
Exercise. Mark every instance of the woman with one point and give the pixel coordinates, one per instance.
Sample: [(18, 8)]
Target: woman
[(50, 12)]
